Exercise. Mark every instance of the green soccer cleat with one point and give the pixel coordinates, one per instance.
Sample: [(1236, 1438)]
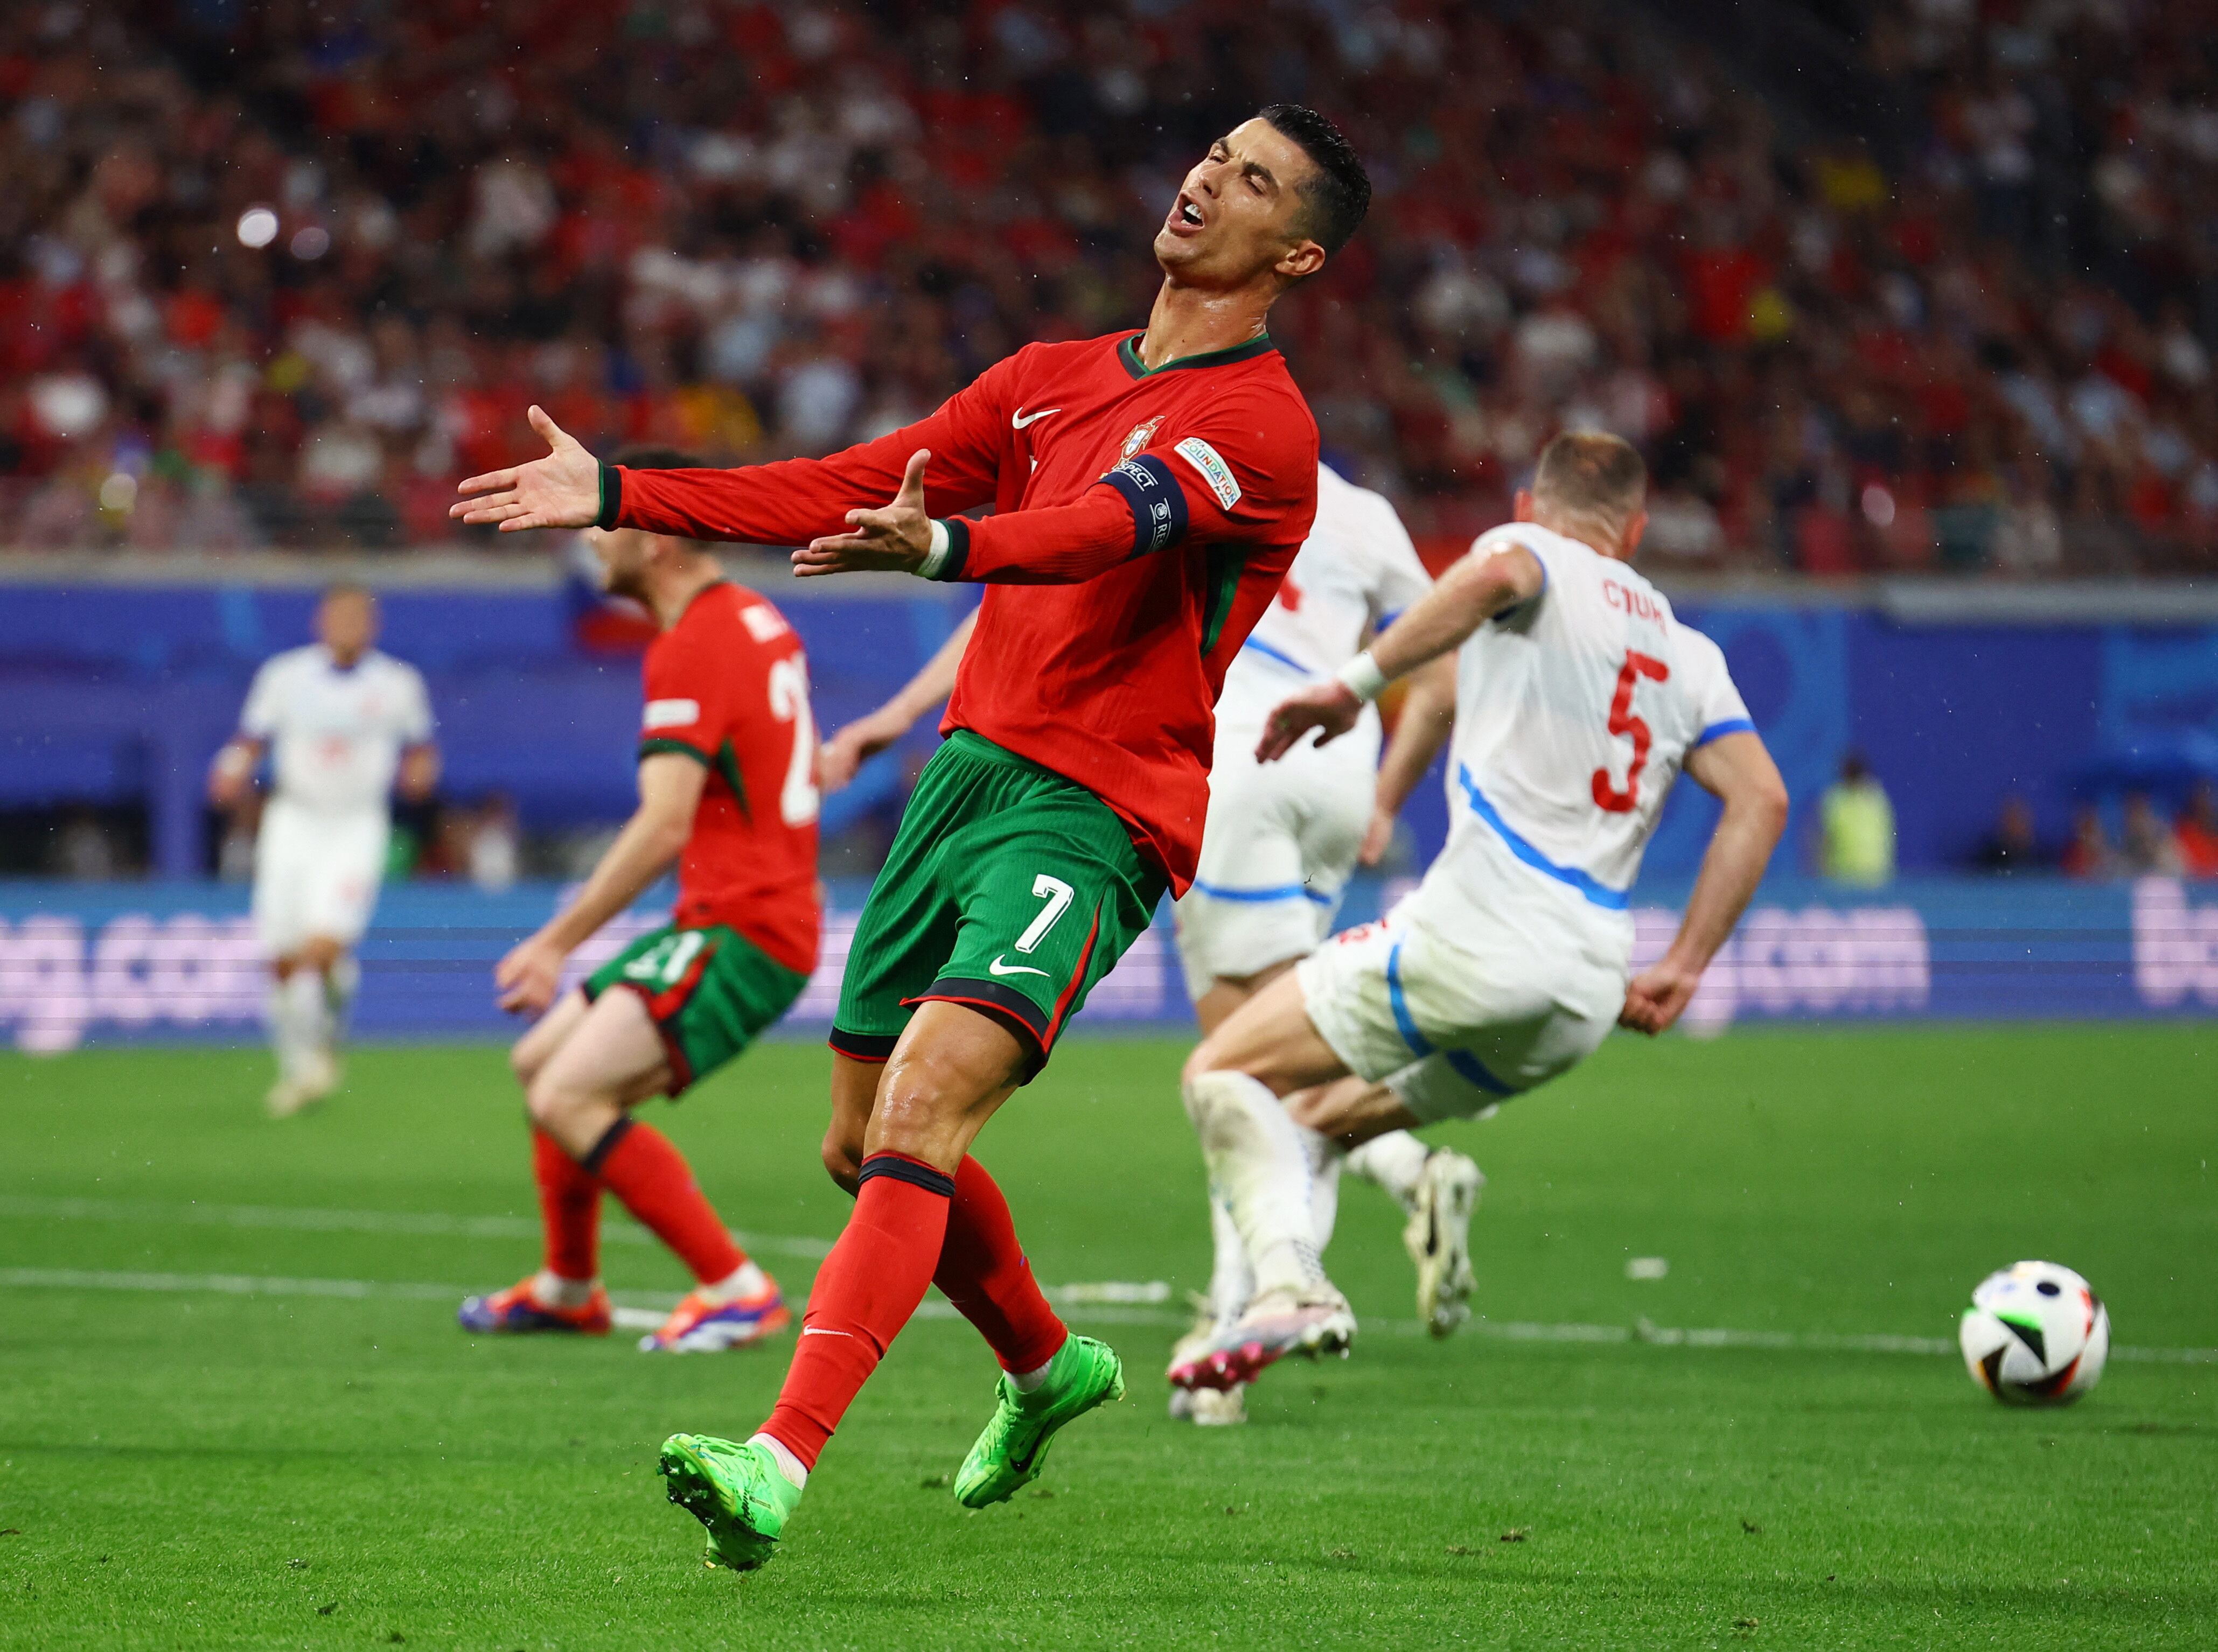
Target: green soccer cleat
[(1082, 1373), (736, 1491)]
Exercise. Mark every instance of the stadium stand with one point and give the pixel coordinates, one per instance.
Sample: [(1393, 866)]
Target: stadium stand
[(276, 274)]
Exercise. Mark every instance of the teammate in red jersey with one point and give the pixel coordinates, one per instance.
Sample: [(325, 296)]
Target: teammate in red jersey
[(727, 788), (1149, 489)]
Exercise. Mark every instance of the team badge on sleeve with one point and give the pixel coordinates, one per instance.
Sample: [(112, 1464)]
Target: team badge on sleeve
[(1214, 471)]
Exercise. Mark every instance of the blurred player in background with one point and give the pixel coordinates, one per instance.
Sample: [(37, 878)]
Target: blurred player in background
[(1151, 488), (1276, 854), (346, 722), (727, 789), (1509, 964)]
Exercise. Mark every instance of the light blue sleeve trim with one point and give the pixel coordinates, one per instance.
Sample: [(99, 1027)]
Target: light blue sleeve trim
[(1282, 892), (1271, 653), (1719, 730)]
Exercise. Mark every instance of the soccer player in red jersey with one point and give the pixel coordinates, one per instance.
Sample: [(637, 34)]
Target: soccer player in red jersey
[(727, 788), (1149, 489)]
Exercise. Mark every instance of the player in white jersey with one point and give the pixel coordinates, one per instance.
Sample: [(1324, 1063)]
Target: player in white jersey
[(1579, 699), (342, 722), (1280, 843)]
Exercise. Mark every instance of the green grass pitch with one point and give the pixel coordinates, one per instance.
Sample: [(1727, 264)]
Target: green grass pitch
[(195, 1452)]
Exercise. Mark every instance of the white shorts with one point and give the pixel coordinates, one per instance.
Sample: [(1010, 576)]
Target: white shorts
[(1276, 852), (315, 873), (1453, 1030)]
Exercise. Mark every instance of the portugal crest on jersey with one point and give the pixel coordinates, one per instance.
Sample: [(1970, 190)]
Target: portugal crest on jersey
[(1142, 435)]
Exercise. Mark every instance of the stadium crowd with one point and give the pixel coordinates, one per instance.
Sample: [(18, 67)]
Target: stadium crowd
[(278, 274)]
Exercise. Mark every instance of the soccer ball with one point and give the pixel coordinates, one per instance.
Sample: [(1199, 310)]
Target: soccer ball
[(2035, 1335)]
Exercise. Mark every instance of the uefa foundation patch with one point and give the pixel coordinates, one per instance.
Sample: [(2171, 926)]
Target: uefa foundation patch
[(1214, 471)]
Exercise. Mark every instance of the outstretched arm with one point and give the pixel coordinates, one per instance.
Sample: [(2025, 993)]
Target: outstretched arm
[(867, 736), (670, 785), (1428, 715), (788, 503), (1740, 772), (1471, 593)]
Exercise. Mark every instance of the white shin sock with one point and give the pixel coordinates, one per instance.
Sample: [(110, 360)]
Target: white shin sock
[(1259, 1168), (1394, 1161)]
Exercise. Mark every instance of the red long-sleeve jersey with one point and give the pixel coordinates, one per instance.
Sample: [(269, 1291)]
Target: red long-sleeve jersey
[(1143, 520)]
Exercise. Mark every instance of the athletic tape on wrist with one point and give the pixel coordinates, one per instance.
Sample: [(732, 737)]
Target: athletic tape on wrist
[(1362, 677)]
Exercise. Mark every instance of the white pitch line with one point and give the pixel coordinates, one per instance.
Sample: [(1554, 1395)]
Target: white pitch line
[(239, 1284), (424, 1224)]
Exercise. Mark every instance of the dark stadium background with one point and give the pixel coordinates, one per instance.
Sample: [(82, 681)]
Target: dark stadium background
[(1910, 307)]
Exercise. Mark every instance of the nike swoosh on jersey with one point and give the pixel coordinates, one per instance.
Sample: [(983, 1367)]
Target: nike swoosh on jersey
[(997, 968), (1018, 419)]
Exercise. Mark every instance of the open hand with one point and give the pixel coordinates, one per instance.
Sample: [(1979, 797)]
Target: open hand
[(529, 977), (1658, 996), (563, 490), (895, 540), (1329, 708)]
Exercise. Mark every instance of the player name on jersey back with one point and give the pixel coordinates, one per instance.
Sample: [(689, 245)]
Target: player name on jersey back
[(1573, 715)]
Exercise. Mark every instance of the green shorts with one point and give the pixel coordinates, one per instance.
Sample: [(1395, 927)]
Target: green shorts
[(708, 991), (1008, 888)]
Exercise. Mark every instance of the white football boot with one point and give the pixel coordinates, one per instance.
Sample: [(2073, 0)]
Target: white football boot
[(1438, 1238), (1310, 1319)]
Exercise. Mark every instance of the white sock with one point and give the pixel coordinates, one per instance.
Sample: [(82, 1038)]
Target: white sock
[(790, 1466), (1232, 1281), (552, 1291), (340, 987), (1325, 1160), (311, 1012), (1394, 1161), (1026, 1381), (292, 1032), (744, 1280), (1260, 1168)]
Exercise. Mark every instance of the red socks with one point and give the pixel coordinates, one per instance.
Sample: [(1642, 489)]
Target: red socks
[(638, 1163), (982, 1270), (866, 1290), (569, 1209)]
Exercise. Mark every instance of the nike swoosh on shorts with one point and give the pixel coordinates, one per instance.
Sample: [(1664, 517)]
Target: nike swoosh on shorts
[(997, 968)]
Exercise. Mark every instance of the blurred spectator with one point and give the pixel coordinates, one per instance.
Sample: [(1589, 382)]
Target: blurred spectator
[(2147, 846), (2196, 834), (2014, 844), (1856, 827), (279, 273), (2089, 855)]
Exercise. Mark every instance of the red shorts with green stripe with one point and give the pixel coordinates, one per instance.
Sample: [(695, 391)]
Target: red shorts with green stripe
[(1009, 890)]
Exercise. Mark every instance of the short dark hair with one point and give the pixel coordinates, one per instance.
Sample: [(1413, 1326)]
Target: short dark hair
[(651, 455), (1592, 473), (1335, 201)]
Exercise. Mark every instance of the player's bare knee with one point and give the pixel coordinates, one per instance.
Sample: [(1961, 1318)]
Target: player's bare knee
[(843, 1159), (524, 1060)]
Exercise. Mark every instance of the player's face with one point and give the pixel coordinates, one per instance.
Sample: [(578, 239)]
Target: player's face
[(1240, 213), (620, 554), (346, 624)]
